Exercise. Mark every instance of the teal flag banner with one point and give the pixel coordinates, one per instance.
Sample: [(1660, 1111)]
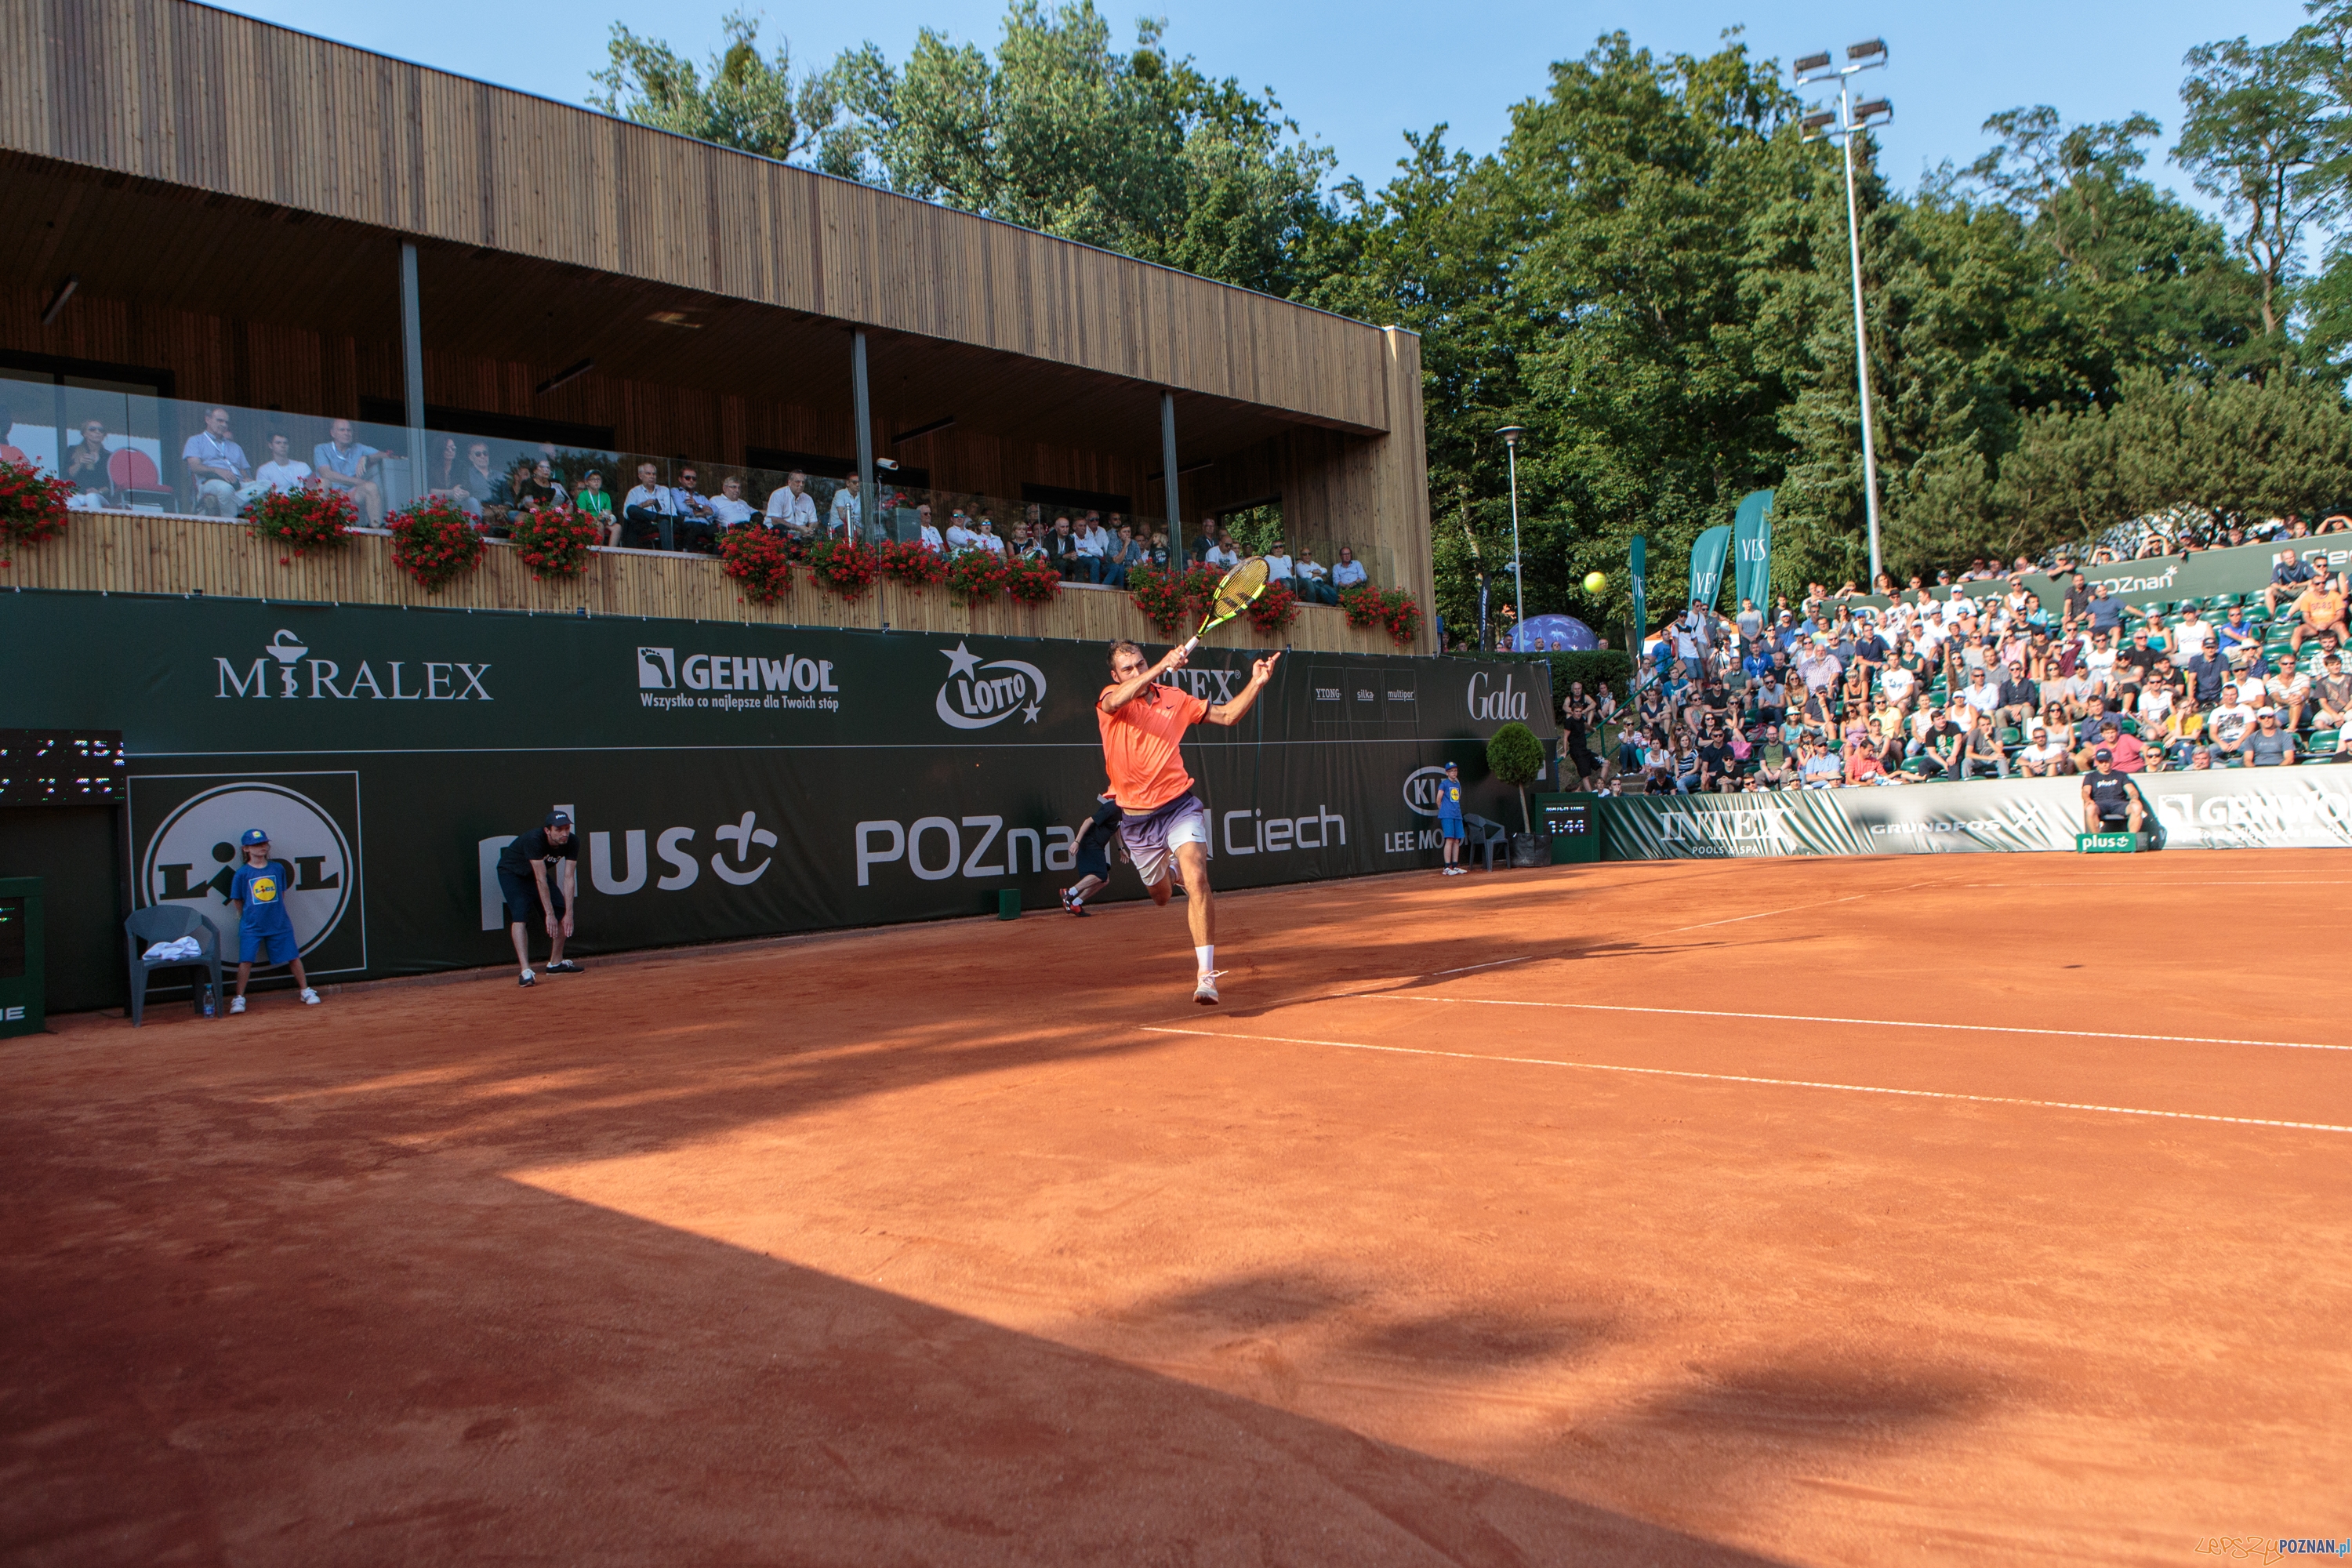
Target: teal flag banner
[(1706, 564), (1751, 539), (1637, 571)]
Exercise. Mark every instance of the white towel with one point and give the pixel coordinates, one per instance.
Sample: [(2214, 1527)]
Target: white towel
[(180, 951)]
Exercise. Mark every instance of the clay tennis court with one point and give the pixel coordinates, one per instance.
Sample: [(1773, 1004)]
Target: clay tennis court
[(1555, 1216)]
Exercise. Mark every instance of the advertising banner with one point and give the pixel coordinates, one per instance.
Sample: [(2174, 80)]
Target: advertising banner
[(2244, 569), (1706, 564), (2247, 809), (1751, 541), (728, 781)]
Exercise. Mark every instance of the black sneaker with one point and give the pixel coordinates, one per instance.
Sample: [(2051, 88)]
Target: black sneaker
[(566, 967)]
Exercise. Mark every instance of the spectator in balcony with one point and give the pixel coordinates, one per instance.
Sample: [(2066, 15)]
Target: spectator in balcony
[(1347, 571), (283, 473), (1223, 556), (2321, 606), (594, 502), (1314, 578), (927, 532), (961, 534), (728, 508), (215, 464), (649, 513), (1279, 567), (2226, 724), (534, 486), (842, 520), (1122, 555), (86, 460), (696, 522), (791, 509), (485, 487), (987, 538), (2042, 757), (1089, 545), (343, 463), (2267, 745), (2288, 579), (1062, 549), (2110, 800), (445, 479)]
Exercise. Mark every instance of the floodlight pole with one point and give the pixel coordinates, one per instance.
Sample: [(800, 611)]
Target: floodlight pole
[(1846, 129), (1861, 330), (1510, 434)]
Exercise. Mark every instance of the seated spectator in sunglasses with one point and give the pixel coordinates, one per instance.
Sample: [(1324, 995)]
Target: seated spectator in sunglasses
[(2044, 758)]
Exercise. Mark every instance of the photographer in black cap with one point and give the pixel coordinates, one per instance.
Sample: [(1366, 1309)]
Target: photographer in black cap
[(546, 859)]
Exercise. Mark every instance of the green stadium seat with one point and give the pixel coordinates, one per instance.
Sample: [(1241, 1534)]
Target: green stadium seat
[(2223, 601), (2322, 741), (2130, 726), (2011, 736), (1914, 766)]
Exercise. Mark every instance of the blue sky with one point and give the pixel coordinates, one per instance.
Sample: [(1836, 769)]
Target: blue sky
[(1359, 74)]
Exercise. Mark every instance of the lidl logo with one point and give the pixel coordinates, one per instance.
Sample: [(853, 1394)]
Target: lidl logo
[(191, 857)]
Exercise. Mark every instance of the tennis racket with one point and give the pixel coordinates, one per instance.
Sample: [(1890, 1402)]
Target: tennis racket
[(1235, 594)]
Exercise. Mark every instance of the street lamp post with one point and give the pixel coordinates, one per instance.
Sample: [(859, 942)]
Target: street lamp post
[(1842, 124), (1510, 434)]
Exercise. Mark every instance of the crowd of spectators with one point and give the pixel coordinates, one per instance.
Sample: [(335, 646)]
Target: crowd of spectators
[(1830, 693), (652, 512)]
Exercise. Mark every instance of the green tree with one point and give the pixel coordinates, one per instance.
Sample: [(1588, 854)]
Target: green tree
[(2255, 137), (748, 100), (1515, 756)]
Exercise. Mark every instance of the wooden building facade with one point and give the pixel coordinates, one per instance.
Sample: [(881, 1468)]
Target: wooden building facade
[(213, 205)]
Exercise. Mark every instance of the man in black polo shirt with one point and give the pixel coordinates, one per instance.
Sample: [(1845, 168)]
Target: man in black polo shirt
[(544, 863), (2110, 803)]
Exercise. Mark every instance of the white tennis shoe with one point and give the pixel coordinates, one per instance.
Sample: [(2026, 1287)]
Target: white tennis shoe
[(309, 997), (1205, 993)]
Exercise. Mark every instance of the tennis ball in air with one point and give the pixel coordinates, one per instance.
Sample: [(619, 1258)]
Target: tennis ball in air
[(1594, 581)]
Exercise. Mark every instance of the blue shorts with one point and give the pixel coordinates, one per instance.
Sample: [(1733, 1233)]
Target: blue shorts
[(268, 946), (1450, 827)]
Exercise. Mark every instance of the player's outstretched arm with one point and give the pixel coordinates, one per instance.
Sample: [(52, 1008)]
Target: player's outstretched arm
[(1128, 691), (1231, 712)]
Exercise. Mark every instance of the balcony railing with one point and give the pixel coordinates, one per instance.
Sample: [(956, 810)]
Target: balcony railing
[(124, 448)]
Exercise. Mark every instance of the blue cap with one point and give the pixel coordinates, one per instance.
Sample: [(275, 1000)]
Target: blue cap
[(253, 835)]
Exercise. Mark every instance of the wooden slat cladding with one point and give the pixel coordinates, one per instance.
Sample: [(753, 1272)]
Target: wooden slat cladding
[(123, 554), (174, 92)]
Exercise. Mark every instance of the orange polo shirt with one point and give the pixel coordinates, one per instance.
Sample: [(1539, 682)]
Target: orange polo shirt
[(1142, 745)]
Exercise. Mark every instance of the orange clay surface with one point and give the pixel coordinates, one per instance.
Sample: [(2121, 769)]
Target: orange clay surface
[(981, 1244)]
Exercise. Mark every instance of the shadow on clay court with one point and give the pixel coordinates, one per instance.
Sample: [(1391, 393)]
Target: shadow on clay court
[(425, 1362)]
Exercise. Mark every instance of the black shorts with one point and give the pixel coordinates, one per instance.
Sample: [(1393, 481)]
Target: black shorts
[(521, 890)]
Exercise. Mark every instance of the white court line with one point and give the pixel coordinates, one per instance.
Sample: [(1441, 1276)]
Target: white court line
[(1869, 1023), (1496, 964), (1762, 914), (1774, 1082)]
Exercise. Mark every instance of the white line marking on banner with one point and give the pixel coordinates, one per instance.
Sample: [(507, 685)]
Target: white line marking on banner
[(1867, 1023), (1772, 1082)]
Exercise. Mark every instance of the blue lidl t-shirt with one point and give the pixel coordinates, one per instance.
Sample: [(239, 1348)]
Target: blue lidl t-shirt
[(261, 891), (1449, 797)]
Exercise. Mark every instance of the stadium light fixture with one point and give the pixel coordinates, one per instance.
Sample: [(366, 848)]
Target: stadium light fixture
[(1510, 434), (1841, 124)]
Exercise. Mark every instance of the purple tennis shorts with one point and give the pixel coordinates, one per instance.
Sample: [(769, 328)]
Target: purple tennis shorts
[(1152, 837)]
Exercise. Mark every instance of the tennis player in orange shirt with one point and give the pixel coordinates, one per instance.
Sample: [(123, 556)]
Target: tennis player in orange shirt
[(1143, 724)]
